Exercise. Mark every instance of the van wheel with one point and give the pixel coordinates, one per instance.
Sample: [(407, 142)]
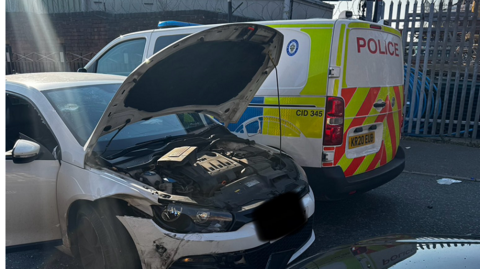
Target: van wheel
[(101, 241)]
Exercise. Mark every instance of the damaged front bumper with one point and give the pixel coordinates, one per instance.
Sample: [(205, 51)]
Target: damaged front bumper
[(161, 249), (293, 244)]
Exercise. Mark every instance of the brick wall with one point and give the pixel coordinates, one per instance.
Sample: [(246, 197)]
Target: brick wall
[(90, 31)]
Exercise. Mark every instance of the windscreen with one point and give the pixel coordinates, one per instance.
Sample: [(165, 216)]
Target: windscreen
[(82, 107)]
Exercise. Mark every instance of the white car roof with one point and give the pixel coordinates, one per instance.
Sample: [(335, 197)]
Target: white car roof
[(56, 80)]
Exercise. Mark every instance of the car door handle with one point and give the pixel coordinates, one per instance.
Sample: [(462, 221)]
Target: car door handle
[(379, 104)]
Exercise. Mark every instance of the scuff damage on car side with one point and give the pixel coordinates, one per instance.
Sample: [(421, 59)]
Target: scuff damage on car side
[(159, 250), (153, 253)]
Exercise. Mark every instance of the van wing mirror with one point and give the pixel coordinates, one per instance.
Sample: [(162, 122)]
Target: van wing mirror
[(82, 70), (25, 151)]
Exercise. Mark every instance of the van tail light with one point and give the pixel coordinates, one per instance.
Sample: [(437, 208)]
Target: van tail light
[(334, 116)]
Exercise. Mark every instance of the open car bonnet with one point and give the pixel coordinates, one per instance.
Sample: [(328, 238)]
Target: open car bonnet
[(217, 71)]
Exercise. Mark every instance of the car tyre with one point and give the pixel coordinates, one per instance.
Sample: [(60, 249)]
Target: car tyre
[(102, 241)]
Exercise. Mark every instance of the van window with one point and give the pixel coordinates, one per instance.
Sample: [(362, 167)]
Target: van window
[(375, 59), (164, 41), (123, 58)]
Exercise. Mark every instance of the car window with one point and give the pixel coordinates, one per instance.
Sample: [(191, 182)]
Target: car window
[(164, 41), (123, 58), (24, 121)]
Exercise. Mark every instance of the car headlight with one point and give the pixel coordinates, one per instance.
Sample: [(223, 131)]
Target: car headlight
[(190, 219)]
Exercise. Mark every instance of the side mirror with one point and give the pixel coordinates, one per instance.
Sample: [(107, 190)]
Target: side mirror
[(82, 70), (25, 151)]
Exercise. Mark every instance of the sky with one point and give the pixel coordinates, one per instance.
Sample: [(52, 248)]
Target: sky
[(353, 6)]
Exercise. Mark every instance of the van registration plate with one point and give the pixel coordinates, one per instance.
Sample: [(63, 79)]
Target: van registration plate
[(361, 140)]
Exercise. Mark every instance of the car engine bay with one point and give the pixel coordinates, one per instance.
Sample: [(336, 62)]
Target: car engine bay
[(225, 173)]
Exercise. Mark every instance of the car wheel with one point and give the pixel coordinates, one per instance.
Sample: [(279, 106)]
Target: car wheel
[(102, 242)]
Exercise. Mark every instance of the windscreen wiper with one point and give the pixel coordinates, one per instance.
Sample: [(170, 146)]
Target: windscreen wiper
[(209, 128), (163, 140), (169, 138), (140, 145)]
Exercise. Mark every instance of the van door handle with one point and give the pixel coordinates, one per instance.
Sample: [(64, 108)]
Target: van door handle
[(379, 104)]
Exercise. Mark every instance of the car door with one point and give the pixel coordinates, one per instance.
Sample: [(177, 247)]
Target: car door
[(31, 204)]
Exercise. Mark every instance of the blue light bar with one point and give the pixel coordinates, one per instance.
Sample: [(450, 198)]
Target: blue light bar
[(170, 24)]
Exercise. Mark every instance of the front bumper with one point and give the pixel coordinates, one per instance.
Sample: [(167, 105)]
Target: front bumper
[(158, 248), (332, 183), (292, 245)]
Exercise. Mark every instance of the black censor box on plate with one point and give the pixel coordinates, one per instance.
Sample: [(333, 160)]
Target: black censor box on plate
[(279, 216)]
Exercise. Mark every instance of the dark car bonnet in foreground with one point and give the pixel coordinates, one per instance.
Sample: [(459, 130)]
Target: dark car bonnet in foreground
[(400, 252)]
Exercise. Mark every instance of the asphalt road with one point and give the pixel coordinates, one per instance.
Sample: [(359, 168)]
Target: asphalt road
[(412, 203)]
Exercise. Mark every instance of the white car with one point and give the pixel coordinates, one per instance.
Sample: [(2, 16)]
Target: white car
[(130, 172)]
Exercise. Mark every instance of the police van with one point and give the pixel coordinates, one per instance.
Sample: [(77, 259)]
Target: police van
[(334, 104)]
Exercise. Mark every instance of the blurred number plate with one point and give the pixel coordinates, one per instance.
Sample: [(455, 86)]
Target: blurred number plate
[(361, 140)]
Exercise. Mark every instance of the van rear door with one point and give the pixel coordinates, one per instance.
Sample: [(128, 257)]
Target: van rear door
[(370, 81)]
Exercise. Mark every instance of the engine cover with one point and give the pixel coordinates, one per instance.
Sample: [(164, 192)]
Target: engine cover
[(217, 165), (211, 171)]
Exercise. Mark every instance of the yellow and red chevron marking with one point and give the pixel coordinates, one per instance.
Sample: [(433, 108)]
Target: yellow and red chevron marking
[(359, 111), (377, 158), (398, 90)]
